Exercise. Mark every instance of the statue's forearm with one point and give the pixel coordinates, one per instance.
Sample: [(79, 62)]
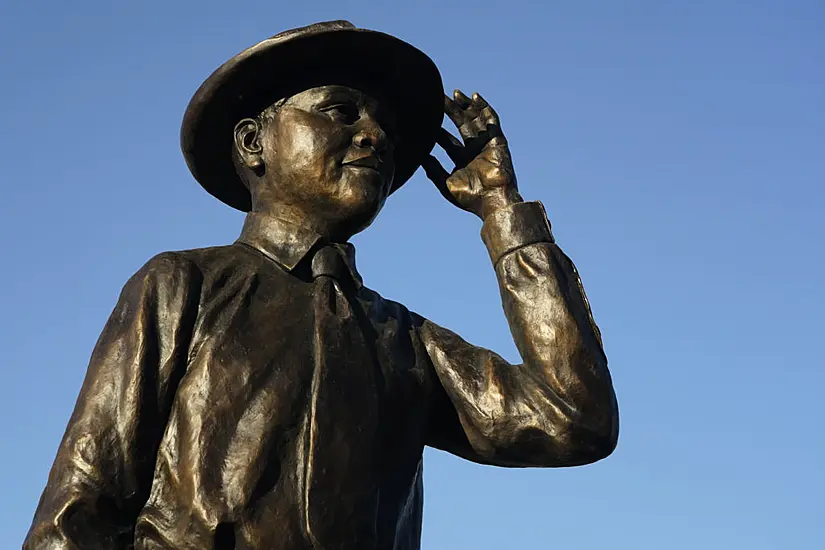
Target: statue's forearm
[(558, 407), (553, 328)]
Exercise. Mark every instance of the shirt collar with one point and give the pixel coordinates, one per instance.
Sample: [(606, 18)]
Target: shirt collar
[(287, 244)]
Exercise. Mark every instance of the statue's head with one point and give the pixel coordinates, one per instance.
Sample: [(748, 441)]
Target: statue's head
[(323, 156), (319, 124)]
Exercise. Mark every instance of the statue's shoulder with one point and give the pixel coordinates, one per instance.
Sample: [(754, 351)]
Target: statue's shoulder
[(382, 309), (208, 257), (177, 265)]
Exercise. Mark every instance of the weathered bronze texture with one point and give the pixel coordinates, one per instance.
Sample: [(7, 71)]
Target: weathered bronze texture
[(258, 395)]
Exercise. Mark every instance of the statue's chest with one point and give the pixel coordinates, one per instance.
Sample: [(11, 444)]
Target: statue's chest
[(256, 351)]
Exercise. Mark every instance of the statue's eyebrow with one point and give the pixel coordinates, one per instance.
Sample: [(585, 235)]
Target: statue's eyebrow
[(339, 92)]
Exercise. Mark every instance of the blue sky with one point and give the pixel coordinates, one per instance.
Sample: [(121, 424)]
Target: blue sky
[(679, 148)]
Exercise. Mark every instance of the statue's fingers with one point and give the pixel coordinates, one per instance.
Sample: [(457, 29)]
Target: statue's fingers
[(452, 146), (473, 126), (479, 101), (470, 129), (461, 100), (438, 175), (477, 125), (454, 112), (435, 172), (480, 125), (484, 136), (486, 111)]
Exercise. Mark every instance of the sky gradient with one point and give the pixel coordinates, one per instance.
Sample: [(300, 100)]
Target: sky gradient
[(679, 148)]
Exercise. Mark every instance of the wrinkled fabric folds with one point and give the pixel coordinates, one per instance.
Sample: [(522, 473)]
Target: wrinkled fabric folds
[(194, 425)]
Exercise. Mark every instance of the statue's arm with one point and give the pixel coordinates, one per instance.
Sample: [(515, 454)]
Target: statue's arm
[(103, 471), (558, 407)]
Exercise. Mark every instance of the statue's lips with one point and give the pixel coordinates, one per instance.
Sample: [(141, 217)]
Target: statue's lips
[(367, 161)]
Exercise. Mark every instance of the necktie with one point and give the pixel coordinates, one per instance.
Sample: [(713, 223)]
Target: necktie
[(341, 497)]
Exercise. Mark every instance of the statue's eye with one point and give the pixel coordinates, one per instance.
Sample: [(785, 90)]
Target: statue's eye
[(342, 112)]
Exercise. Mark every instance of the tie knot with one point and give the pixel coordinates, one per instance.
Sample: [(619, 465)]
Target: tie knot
[(329, 262)]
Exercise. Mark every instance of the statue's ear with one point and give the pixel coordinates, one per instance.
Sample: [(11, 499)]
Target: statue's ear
[(248, 144)]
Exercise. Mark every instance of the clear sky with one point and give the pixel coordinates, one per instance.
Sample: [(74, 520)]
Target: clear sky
[(679, 148)]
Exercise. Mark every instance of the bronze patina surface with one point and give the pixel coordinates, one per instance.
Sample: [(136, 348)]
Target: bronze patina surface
[(258, 395)]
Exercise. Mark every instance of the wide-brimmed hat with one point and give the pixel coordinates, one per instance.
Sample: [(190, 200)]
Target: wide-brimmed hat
[(334, 52)]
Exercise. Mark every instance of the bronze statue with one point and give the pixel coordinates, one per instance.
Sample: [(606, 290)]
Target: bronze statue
[(258, 395)]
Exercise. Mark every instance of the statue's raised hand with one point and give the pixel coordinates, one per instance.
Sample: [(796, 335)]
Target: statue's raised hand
[(483, 179)]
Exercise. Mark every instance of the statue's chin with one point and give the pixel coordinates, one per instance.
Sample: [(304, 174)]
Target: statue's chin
[(357, 211)]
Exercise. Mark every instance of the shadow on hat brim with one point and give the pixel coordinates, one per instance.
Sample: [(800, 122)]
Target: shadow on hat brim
[(273, 69)]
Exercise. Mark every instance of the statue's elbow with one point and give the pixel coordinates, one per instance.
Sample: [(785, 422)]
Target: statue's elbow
[(593, 430), (593, 442), (603, 445)]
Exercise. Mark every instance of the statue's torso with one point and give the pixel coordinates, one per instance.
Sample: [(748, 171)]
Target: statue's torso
[(230, 463)]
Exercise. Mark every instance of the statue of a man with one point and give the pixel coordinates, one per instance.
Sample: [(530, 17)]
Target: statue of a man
[(258, 395)]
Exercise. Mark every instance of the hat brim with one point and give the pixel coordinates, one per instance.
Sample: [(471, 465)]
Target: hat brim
[(273, 69)]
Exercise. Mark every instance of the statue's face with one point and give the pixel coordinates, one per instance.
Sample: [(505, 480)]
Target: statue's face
[(328, 153)]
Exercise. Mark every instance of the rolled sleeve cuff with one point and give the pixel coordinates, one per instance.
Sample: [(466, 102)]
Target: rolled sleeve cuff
[(509, 229)]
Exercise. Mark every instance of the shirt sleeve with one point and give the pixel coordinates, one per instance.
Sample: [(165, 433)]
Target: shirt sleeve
[(103, 471), (558, 407)]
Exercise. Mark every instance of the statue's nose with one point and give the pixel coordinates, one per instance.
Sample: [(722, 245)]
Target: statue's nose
[(373, 136)]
